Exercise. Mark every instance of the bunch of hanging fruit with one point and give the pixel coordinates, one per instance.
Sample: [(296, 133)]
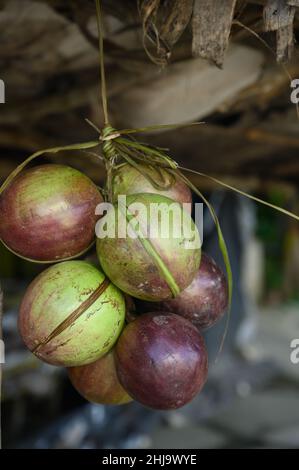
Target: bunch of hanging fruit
[(130, 327), (84, 317)]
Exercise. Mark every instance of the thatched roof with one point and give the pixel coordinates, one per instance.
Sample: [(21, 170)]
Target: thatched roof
[(167, 61)]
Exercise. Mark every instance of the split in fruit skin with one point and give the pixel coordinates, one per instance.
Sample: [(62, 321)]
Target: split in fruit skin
[(70, 315)]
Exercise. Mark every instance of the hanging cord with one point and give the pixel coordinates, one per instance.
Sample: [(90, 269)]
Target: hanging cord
[(103, 90), (108, 133)]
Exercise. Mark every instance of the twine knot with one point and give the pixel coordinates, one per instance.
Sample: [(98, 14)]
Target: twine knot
[(107, 136)]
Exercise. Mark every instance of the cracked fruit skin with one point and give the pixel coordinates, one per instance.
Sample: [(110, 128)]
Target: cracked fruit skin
[(161, 360), (203, 302), (131, 266), (48, 213), (53, 296), (98, 382), (128, 180)]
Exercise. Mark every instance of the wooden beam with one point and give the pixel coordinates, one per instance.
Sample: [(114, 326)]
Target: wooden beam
[(279, 17), (211, 27)]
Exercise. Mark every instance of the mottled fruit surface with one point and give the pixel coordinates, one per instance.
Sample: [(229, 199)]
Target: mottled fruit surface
[(128, 180), (48, 213), (98, 382), (161, 360), (65, 290), (159, 252), (203, 302)]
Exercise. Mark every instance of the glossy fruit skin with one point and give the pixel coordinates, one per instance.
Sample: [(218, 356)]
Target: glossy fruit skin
[(203, 302), (48, 213), (98, 382), (161, 360), (128, 180), (53, 296), (131, 268)]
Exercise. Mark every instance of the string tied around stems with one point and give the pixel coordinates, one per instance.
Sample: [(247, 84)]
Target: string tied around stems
[(107, 136)]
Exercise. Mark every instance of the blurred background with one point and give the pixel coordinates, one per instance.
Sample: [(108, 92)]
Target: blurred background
[(168, 62)]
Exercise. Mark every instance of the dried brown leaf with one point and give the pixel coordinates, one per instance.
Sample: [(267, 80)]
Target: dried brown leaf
[(163, 24), (174, 18)]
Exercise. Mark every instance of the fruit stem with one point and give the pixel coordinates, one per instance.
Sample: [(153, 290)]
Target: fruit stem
[(103, 93)]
